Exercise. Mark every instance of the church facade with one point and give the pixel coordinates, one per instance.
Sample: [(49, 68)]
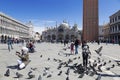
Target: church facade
[(61, 33)]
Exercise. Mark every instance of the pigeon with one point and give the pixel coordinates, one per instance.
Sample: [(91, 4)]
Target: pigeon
[(33, 69), (118, 63), (81, 75), (104, 63), (75, 58), (44, 74), (108, 68), (79, 57), (55, 60), (18, 75), (109, 61), (41, 56), (39, 78), (93, 69), (94, 64), (75, 64), (99, 50), (30, 75), (47, 68), (48, 59), (91, 73), (98, 78), (68, 71), (67, 78), (59, 73), (99, 61), (49, 76), (113, 66), (7, 74), (59, 66), (99, 67), (69, 61)]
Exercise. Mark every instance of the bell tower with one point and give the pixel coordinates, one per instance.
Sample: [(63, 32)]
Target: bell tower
[(90, 20)]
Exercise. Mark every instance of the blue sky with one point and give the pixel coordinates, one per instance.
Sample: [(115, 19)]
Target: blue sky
[(46, 12)]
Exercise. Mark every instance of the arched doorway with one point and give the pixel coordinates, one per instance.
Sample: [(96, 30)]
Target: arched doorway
[(60, 37), (53, 37), (48, 38), (67, 37)]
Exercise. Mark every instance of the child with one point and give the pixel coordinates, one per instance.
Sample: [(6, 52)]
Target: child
[(72, 48)]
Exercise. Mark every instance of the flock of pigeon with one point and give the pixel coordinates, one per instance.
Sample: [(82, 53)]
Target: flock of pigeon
[(93, 68)]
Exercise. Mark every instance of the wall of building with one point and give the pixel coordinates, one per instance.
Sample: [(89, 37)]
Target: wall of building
[(10, 27)]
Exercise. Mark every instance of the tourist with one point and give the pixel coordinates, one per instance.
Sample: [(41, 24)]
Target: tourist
[(77, 43), (24, 58), (72, 48), (9, 42), (85, 54)]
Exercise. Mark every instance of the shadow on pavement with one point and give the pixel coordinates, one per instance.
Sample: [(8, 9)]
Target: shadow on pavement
[(13, 67), (108, 75)]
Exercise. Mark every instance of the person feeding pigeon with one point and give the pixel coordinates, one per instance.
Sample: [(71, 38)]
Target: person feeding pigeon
[(24, 58), (85, 54)]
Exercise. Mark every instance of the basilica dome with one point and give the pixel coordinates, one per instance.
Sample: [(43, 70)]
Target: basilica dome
[(64, 25)]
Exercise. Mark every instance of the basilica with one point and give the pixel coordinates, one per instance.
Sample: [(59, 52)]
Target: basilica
[(61, 33)]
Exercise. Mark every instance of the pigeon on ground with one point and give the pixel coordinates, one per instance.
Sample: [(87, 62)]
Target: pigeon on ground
[(81, 75), (59, 73), (108, 68), (39, 78), (41, 56), (7, 73), (98, 78), (104, 63), (91, 73), (118, 63), (49, 76), (30, 75), (67, 78), (45, 73), (79, 57), (48, 59), (99, 67), (109, 61), (18, 75), (33, 69), (47, 68), (59, 66), (113, 66), (68, 71)]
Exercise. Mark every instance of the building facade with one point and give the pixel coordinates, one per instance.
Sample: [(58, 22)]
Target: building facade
[(10, 27), (61, 33), (90, 20), (115, 27), (101, 33), (106, 30)]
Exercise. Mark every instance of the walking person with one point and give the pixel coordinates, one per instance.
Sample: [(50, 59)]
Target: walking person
[(72, 48), (77, 43), (9, 42)]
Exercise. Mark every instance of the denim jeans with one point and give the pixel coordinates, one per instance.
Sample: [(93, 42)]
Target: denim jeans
[(76, 49)]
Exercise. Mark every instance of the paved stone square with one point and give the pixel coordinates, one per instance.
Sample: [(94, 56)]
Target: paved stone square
[(49, 55)]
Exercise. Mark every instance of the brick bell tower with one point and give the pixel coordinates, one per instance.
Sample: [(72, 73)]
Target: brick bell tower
[(90, 20)]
